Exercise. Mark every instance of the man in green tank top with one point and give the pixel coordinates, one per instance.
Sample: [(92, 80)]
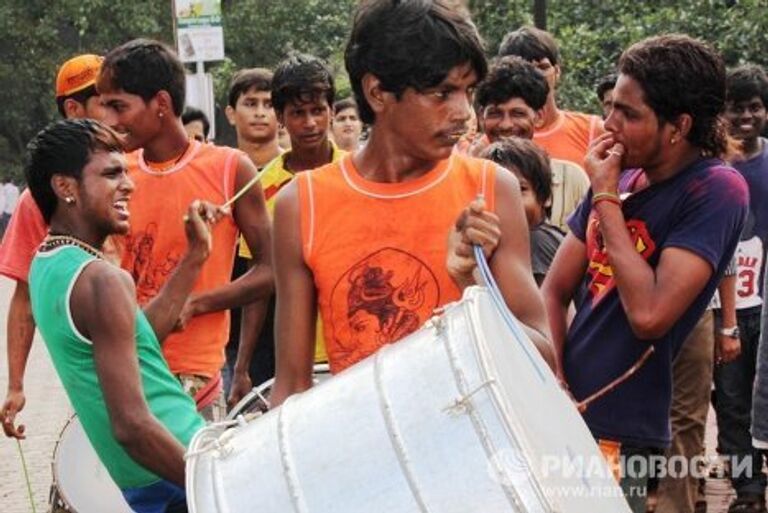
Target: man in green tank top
[(104, 348)]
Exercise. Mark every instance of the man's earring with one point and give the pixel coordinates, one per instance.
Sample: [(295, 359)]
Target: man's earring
[(69, 200)]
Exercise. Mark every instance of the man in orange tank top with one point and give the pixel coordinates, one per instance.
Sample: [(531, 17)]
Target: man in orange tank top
[(564, 134), (364, 240), (142, 88)]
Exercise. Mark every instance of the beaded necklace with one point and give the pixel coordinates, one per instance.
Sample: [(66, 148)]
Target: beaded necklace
[(55, 241)]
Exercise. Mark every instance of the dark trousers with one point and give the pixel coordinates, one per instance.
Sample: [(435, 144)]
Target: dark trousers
[(262, 365), (733, 393), (4, 220), (634, 482)]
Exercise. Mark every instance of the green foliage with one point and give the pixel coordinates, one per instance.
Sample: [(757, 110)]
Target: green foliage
[(592, 35), (260, 33), (495, 18), (38, 35)]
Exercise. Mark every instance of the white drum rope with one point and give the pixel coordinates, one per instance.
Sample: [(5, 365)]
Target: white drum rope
[(522, 340)]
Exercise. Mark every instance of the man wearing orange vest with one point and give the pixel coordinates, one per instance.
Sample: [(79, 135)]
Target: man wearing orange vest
[(364, 240), (142, 87), (565, 135)]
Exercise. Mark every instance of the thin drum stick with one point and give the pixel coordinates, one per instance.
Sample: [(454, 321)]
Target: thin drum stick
[(242, 191), (583, 405), (239, 193)]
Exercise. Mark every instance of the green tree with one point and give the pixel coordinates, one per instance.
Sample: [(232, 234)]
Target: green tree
[(593, 34), (260, 33), (38, 35)]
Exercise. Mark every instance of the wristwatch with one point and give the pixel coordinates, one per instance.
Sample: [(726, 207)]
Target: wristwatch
[(730, 332)]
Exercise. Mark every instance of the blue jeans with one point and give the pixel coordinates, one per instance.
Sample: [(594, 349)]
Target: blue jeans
[(160, 497), (733, 396)]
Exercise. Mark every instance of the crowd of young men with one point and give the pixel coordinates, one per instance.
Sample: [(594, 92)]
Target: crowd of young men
[(335, 262)]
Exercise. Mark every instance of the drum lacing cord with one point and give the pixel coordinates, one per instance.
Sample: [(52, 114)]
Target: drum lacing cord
[(26, 476), (518, 334), (215, 444), (461, 405), (260, 396)]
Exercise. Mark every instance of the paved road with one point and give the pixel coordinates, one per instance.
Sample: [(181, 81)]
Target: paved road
[(46, 413)]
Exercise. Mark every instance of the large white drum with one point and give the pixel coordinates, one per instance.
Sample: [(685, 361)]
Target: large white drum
[(81, 483), (461, 416)]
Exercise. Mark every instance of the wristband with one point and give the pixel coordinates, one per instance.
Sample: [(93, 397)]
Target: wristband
[(610, 197)]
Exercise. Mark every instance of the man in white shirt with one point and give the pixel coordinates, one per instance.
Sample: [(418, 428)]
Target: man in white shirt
[(10, 195)]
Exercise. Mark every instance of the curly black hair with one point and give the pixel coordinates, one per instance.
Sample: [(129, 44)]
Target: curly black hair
[(301, 78), (144, 67), (512, 77), (681, 75), (746, 82), (526, 160)]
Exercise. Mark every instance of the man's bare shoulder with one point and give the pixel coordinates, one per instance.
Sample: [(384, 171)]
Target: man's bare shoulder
[(100, 279)]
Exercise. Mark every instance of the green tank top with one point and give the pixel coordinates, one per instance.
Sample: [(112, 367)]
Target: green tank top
[(51, 280)]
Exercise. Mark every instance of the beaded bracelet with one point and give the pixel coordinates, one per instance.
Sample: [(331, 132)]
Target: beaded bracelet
[(610, 197)]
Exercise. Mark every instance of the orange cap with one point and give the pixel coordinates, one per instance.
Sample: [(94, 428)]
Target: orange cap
[(77, 73)]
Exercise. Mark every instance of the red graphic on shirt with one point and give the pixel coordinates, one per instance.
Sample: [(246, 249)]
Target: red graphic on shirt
[(599, 267), (380, 300), (149, 272)]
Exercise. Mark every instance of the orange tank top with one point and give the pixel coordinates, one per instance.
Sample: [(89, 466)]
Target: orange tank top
[(156, 243), (570, 136), (377, 251)]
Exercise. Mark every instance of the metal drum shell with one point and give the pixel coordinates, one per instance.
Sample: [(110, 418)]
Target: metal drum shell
[(458, 417)]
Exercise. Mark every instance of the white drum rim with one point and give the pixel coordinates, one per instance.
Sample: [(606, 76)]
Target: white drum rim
[(60, 492)]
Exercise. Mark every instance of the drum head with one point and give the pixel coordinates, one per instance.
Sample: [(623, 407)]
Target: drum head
[(79, 476)]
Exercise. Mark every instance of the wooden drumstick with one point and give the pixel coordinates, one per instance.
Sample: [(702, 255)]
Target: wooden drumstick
[(583, 405)]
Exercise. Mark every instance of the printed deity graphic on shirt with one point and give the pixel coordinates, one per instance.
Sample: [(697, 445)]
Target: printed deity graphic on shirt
[(381, 299)]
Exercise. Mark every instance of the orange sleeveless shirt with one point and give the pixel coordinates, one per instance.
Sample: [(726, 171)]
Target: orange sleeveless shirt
[(570, 136), (377, 251), (156, 243)]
